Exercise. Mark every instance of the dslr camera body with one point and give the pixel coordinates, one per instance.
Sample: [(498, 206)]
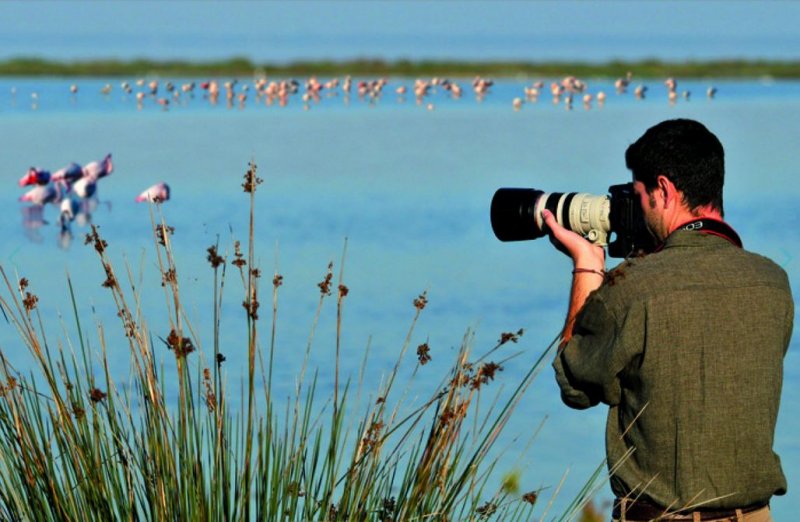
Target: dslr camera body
[(516, 215)]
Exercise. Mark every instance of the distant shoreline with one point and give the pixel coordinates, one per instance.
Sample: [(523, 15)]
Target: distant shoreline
[(241, 67)]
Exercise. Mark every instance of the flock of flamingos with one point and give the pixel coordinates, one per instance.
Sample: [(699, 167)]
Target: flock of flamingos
[(73, 187), (567, 91)]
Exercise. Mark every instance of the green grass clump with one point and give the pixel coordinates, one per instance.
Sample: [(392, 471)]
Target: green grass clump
[(75, 445)]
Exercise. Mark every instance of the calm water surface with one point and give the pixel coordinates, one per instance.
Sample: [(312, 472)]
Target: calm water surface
[(407, 187)]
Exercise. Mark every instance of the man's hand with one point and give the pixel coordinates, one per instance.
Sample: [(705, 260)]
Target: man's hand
[(584, 254)]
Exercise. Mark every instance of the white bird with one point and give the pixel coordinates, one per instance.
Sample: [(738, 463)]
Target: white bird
[(156, 194)]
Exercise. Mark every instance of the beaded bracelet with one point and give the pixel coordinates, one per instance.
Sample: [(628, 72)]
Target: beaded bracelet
[(589, 271)]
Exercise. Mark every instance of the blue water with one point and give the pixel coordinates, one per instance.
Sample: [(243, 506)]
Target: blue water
[(407, 188)]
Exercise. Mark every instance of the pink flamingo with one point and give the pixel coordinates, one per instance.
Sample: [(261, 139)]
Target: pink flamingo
[(99, 169), (35, 176), (43, 194), (157, 193)]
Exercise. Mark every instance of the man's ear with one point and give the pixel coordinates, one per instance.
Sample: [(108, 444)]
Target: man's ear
[(667, 191)]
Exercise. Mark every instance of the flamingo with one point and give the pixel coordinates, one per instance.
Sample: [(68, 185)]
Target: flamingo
[(99, 169), (69, 174), (35, 176), (85, 187), (43, 194), (157, 193)]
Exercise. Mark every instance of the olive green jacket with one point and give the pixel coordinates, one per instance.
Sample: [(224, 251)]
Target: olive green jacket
[(686, 346)]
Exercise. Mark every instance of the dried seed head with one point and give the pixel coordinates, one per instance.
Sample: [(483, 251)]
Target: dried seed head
[(181, 346), (373, 436), (162, 233), (94, 237), (343, 291), (23, 284), (214, 258), (423, 353), (421, 301), (509, 336), (29, 302), (169, 277), (251, 181), (220, 359), (277, 280), (239, 262), (252, 308), (485, 374), (530, 497), (96, 395), (110, 281), (325, 285)]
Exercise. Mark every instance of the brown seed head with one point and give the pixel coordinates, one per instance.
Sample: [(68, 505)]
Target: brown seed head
[(94, 237), (96, 395), (30, 301), (214, 258), (509, 336), (421, 301), (530, 497), (325, 285), (169, 277), (423, 353), (181, 346), (251, 181), (485, 374), (162, 233), (110, 281)]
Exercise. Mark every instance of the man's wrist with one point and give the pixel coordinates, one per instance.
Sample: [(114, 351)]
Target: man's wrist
[(590, 271)]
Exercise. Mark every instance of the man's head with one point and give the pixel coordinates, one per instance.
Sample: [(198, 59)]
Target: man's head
[(688, 155)]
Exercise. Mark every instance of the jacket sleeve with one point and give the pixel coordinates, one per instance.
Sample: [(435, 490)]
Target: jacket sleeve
[(588, 368)]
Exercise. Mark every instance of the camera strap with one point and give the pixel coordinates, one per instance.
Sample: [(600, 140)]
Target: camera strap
[(711, 226)]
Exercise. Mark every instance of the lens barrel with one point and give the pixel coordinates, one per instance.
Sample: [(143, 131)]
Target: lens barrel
[(513, 214)]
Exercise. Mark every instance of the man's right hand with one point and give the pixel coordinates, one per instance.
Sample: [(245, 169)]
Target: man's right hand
[(584, 254)]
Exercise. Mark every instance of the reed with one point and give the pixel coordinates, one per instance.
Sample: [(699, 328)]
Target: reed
[(76, 445)]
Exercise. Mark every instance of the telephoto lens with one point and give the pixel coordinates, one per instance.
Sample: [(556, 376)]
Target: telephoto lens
[(516, 214)]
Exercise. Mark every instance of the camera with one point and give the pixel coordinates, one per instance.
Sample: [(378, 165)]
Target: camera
[(516, 215)]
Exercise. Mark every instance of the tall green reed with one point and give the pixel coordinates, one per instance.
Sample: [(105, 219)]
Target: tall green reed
[(76, 445)]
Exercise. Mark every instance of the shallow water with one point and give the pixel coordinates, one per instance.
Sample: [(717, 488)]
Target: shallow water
[(409, 188)]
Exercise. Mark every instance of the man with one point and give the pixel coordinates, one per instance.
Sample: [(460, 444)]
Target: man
[(685, 344)]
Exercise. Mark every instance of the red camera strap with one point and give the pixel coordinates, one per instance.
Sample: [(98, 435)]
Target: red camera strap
[(710, 226)]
